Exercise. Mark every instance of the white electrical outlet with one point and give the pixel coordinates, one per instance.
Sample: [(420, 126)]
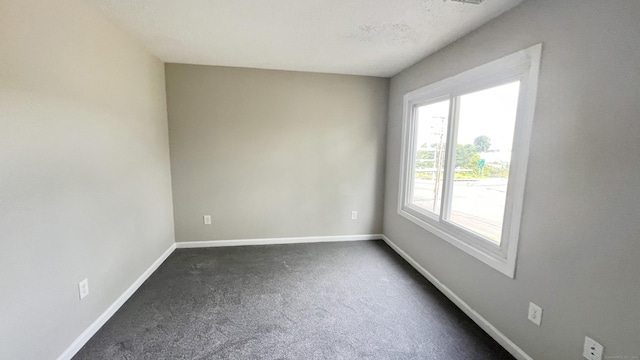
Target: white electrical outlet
[(83, 288), (354, 215), (535, 313), (207, 219), (592, 349)]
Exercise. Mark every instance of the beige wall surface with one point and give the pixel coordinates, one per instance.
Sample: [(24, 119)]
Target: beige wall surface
[(579, 249), (275, 153), (85, 188)]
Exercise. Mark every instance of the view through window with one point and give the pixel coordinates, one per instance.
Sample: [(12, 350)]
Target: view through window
[(433, 120), (483, 155), (483, 142)]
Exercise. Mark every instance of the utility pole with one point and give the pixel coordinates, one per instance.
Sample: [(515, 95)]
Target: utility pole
[(436, 190)]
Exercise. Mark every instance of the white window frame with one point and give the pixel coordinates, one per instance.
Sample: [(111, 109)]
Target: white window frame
[(521, 66)]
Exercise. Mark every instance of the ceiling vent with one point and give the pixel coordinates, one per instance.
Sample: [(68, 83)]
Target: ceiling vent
[(474, 2)]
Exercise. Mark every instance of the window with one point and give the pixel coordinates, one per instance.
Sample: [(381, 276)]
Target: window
[(465, 150)]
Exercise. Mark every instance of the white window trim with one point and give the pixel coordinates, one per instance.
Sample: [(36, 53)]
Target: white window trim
[(524, 66)]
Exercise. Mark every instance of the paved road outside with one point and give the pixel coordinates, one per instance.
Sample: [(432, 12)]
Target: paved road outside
[(476, 204)]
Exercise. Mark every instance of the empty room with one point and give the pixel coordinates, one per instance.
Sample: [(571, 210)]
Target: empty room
[(357, 179)]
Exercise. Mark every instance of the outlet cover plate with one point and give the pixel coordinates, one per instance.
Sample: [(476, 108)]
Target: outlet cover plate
[(535, 313), (592, 349), (83, 288)]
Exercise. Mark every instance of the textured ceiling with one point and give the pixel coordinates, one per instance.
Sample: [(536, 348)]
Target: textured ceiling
[(360, 37)]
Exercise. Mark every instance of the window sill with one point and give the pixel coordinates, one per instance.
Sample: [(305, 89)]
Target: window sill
[(505, 265)]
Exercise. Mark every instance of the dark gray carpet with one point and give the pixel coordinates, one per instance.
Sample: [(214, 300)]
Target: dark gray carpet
[(353, 300)]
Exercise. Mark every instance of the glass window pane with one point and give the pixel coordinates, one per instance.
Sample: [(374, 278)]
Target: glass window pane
[(431, 137), (483, 154)]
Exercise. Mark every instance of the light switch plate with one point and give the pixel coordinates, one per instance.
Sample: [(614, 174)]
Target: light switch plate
[(207, 219)]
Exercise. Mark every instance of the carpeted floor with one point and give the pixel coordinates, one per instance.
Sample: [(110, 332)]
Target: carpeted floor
[(349, 300)]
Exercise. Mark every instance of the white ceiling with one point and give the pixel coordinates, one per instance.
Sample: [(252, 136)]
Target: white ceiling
[(360, 37)]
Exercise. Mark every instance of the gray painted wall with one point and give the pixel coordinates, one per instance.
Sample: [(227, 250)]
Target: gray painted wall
[(85, 187), (579, 249), (275, 153)]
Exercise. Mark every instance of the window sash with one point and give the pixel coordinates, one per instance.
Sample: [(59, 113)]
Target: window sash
[(443, 218)]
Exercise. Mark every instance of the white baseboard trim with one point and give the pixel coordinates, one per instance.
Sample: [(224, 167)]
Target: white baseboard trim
[(273, 241), (79, 342), (498, 336)]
